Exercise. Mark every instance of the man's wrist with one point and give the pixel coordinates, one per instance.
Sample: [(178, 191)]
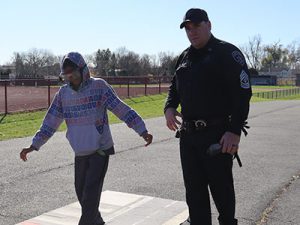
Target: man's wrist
[(235, 128), (169, 108), (144, 133), (237, 132), (33, 147)]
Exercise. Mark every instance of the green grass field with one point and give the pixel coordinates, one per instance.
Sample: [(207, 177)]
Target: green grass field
[(271, 87), (26, 124)]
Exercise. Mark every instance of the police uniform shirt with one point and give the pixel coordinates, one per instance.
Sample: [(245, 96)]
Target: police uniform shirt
[(211, 83)]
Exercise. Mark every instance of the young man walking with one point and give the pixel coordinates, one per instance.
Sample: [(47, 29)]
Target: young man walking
[(83, 103)]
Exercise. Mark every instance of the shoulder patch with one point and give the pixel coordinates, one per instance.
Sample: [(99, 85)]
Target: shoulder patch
[(244, 78), (238, 57)]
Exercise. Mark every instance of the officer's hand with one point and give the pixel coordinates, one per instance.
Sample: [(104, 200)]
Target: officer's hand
[(148, 138), (171, 119), (24, 152), (230, 143)]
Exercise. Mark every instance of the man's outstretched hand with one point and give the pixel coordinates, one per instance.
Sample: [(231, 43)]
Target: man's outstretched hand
[(24, 152), (148, 138)]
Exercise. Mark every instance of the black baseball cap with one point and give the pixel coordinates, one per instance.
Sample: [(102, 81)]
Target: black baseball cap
[(194, 15)]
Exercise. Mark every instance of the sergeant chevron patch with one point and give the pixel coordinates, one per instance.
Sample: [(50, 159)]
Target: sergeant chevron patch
[(244, 80)]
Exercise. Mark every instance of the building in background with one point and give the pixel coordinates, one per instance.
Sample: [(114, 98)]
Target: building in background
[(7, 72)]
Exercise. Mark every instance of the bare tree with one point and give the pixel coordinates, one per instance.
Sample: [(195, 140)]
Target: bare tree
[(36, 59), (90, 59), (35, 63), (145, 64), (293, 55), (18, 62), (129, 62), (253, 52), (167, 62)]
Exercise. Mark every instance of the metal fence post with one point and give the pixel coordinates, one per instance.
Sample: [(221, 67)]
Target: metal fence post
[(49, 93), (159, 85), (5, 96), (145, 86), (128, 87)]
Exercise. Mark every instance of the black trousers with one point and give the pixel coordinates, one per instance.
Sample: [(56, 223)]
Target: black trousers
[(89, 176), (202, 172)]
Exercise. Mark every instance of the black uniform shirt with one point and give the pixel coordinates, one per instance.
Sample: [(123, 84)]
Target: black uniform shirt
[(212, 83)]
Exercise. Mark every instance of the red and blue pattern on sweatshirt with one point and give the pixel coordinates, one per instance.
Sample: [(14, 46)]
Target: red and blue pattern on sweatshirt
[(85, 113)]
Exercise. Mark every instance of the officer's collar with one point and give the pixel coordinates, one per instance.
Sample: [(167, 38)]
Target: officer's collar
[(206, 48)]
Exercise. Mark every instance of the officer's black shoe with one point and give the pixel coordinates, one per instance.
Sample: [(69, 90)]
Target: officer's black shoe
[(234, 222), (101, 223), (187, 222)]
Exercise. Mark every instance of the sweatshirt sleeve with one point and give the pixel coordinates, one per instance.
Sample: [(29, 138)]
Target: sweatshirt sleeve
[(51, 122), (239, 88), (113, 103)]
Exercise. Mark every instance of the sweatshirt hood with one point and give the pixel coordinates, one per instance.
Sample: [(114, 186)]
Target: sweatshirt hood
[(77, 58)]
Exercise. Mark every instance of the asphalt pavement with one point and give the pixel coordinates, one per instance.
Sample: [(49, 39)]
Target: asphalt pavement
[(267, 186)]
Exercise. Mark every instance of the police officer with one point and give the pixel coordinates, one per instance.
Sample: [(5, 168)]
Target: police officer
[(211, 84)]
